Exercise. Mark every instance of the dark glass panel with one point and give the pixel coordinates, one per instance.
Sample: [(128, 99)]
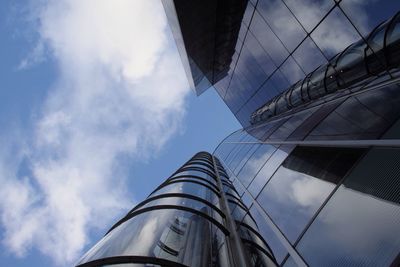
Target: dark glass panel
[(365, 116), (291, 125), (248, 13), (361, 222), (282, 22), (174, 235), (292, 71), (268, 39), (262, 57), (366, 15), (309, 12), (302, 183), (309, 56), (334, 34)]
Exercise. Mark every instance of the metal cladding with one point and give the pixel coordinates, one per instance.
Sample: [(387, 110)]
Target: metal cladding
[(189, 220), (351, 69)]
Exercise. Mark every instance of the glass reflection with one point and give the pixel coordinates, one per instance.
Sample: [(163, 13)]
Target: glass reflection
[(309, 12), (185, 202), (189, 188), (268, 169), (174, 235), (301, 185), (278, 250), (361, 221), (282, 22), (254, 163), (334, 34)]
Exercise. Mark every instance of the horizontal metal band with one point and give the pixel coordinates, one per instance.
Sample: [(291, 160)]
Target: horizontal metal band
[(130, 259), (173, 207), (179, 195), (395, 143)]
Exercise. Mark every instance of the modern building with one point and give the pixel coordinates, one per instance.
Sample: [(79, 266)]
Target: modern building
[(195, 218), (313, 178)]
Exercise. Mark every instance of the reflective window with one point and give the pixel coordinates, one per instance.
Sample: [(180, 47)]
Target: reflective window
[(268, 39), (292, 70), (262, 57), (167, 234), (361, 117), (309, 56), (309, 12), (282, 22), (268, 170), (334, 34), (254, 163), (302, 183), (278, 250), (245, 159), (291, 125), (365, 15), (360, 223)]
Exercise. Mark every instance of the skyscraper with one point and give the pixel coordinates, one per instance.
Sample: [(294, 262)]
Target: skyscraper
[(312, 179)]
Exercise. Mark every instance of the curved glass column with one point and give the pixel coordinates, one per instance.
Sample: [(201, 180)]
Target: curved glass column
[(183, 223)]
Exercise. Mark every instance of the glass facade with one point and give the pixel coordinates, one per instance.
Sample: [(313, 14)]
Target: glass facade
[(312, 179), (186, 221)]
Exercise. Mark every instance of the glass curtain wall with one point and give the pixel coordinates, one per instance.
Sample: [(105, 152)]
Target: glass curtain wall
[(183, 222)]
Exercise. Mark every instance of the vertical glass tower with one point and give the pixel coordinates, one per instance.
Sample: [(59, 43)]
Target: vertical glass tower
[(195, 218), (313, 178)]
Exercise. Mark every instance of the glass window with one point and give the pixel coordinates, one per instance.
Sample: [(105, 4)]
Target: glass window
[(268, 39), (255, 162), (366, 15), (302, 183), (239, 167), (268, 170), (282, 22), (279, 81), (291, 125), (309, 56), (360, 223), (334, 34), (292, 71), (278, 250), (361, 117), (239, 156), (262, 57), (250, 69), (309, 12)]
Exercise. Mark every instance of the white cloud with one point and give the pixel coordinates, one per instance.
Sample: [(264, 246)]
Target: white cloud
[(120, 91)]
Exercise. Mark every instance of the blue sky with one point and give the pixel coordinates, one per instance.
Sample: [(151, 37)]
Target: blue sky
[(95, 112)]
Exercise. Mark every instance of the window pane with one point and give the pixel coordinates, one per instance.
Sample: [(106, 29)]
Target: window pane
[(309, 12), (361, 222), (282, 22), (334, 34), (302, 183)]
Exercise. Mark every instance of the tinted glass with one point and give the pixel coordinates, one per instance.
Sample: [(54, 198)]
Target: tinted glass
[(361, 222), (163, 234), (302, 183)]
